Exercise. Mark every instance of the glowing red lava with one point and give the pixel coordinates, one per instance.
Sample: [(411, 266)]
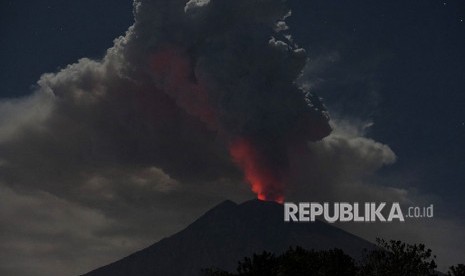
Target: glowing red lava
[(264, 179)]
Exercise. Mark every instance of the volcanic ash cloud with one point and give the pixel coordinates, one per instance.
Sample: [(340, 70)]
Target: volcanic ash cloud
[(198, 89)]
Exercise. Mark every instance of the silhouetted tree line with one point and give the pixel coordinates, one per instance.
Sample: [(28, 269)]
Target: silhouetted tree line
[(393, 258)]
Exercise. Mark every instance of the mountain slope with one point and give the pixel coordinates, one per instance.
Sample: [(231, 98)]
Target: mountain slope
[(226, 234)]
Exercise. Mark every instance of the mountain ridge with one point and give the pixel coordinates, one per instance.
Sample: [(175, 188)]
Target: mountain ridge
[(227, 233)]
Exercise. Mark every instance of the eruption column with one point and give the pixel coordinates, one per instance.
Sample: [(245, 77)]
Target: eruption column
[(265, 180)]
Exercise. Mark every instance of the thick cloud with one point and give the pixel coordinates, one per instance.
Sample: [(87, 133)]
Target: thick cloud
[(184, 82), (341, 167), (38, 228)]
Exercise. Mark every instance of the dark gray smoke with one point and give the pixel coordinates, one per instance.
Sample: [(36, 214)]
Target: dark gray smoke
[(186, 82)]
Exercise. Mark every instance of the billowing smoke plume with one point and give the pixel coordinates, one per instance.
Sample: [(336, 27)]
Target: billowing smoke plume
[(200, 89), (231, 65)]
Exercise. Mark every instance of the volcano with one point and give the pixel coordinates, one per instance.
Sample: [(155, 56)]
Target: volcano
[(226, 234)]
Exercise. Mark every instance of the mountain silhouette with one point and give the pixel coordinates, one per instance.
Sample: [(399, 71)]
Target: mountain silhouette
[(226, 234)]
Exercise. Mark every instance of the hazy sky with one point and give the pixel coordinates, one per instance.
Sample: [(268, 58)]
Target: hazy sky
[(94, 166)]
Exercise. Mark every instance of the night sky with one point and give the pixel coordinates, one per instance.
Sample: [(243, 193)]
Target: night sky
[(402, 65), (394, 70)]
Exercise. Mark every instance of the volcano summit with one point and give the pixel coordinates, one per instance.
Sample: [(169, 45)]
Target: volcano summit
[(226, 234)]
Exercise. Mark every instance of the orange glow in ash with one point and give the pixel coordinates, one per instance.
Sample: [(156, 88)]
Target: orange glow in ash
[(173, 69), (264, 180)]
